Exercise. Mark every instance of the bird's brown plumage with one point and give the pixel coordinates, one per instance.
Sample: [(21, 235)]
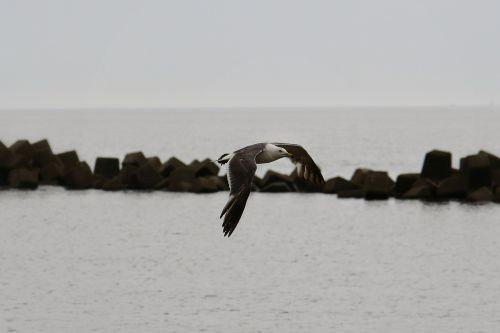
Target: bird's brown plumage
[(306, 167), (241, 170)]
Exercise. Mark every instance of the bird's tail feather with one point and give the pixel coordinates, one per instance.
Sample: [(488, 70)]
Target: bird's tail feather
[(223, 159)]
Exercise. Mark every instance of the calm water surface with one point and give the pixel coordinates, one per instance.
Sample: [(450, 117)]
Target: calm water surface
[(341, 139), (91, 261)]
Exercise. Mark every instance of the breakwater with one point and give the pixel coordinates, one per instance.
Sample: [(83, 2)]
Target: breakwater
[(26, 165)]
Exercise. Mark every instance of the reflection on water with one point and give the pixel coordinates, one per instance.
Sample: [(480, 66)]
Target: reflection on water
[(157, 262)]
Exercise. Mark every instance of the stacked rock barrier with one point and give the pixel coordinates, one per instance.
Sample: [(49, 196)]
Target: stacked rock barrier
[(25, 165)]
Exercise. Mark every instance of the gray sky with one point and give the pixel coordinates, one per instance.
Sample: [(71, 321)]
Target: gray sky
[(119, 53)]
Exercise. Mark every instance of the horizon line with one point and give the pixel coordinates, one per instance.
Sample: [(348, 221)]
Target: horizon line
[(354, 106)]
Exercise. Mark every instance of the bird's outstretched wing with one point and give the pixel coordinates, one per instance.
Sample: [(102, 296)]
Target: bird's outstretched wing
[(306, 167), (241, 170)]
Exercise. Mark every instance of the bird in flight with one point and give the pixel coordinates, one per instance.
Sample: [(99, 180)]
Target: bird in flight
[(241, 169)]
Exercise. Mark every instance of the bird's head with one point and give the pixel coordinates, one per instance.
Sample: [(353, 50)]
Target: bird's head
[(283, 153)]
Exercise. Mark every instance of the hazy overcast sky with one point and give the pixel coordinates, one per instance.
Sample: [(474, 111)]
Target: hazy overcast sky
[(119, 53)]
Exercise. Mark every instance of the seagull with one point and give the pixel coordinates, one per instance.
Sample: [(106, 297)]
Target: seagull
[(241, 169)]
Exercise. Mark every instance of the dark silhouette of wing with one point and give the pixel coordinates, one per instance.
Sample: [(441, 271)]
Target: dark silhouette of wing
[(241, 170), (306, 167)]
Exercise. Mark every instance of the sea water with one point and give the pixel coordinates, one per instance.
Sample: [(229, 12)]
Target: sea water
[(93, 261)]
